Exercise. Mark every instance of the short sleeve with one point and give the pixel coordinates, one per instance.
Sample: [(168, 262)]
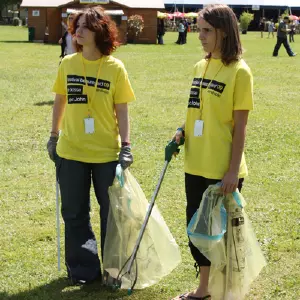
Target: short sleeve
[(123, 92), (60, 82), (243, 90), (282, 26)]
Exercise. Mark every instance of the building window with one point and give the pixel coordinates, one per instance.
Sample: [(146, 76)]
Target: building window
[(35, 13), (117, 19)]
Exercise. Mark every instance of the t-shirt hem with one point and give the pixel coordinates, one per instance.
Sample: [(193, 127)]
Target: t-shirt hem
[(59, 93), (85, 159), (210, 175), (125, 101), (243, 108)]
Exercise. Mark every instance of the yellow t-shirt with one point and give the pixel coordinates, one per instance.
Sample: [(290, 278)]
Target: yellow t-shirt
[(224, 89), (113, 88)]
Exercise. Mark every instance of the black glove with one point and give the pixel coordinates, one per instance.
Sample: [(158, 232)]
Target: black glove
[(125, 157), (51, 147)]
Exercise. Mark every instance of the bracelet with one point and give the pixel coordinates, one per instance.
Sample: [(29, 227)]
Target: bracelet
[(182, 130), (54, 132), (124, 144)]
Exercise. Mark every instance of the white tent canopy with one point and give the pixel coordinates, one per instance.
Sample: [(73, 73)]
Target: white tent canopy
[(284, 3)]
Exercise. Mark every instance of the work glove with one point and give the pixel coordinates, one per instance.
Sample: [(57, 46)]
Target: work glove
[(125, 157), (172, 148), (51, 147)]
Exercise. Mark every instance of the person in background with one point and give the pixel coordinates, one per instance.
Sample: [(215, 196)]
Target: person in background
[(271, 28), (282, 32), (186, 27), (181, 30), (261, 27), (215, 127), (46, 35), (160, 31), (91, 113), (67, 41), (292, 31)]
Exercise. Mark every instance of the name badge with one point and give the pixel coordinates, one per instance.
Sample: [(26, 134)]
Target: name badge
[(89, 125), (198, 128)]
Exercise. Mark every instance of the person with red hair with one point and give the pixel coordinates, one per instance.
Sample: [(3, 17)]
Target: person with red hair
[(67, 40), (90, 135)]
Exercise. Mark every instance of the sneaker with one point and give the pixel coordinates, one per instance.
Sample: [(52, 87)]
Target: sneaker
[(294, 54), (80, 282)]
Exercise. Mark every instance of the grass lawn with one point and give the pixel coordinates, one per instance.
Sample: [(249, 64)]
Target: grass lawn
[(161, 78)]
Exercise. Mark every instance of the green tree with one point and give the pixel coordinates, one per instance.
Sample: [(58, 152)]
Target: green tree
[(245, 19), (285, 14)]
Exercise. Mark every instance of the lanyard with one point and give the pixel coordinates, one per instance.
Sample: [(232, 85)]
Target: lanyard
[(208, 85), (89, 99)]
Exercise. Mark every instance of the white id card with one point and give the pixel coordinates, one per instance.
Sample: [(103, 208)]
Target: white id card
[(198, 128), (89, 125)]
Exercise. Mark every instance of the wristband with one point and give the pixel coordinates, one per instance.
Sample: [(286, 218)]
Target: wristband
[(54, 132), (182, 130), (125, 144)]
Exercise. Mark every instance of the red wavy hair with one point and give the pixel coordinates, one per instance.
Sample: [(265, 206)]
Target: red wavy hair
[(106, 32)]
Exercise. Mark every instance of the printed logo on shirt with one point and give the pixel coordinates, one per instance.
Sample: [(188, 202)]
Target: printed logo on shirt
[(194, 93), (194, 100), (197, 81), (205, 83), (75, 89), (217, 86), (102, 84), (74, 99), (91, 81), (194, 103), (213, 87), (75, 79)]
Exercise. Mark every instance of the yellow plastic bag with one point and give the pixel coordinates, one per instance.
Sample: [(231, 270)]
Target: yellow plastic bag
[(158, 254), (244, 258)]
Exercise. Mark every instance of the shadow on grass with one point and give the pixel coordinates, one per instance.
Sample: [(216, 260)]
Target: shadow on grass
[(27, 42), (15, 42), (43, 104), (61, 289)]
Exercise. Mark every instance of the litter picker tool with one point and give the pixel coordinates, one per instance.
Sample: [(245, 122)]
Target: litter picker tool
[(171, 148), (57, 226)]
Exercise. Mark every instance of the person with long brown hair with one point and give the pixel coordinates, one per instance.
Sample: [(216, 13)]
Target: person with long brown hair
[(220, 99), (90, 135)]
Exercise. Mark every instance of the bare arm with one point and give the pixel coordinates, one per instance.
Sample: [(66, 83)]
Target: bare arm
[(230, 180), (58, 112), (123, 121), (238, 142)]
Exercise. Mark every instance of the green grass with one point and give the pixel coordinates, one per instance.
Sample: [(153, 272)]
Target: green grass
[(161, 78)]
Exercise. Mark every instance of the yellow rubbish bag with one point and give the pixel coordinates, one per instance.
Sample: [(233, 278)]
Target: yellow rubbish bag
[(243, 257), (158, 253)]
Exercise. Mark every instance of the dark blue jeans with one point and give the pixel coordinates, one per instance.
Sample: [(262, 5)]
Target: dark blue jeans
[(74, 177), (160, 39), (284, 41)]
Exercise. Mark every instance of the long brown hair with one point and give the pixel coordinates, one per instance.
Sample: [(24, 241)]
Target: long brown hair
[(220, 16), (106, 33)]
